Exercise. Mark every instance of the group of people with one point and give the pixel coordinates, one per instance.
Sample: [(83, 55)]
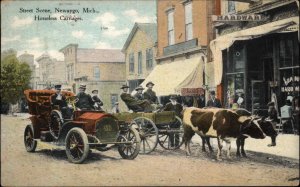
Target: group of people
[(140, 102), (146, 101), (85, 101)]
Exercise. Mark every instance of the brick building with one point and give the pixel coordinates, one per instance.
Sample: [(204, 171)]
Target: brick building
[(184, 32)]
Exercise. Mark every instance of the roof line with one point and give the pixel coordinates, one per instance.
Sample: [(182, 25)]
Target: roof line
[(132, 33)]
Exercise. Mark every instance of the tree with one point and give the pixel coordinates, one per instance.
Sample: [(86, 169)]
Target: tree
[(15, 78)]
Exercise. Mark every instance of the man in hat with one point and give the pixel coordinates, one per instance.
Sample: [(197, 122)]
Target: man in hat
[(97, 101), (58, 99), (173, 105), (213, 101), (149, 94), (85, 101), (133, 103), (139, 93)]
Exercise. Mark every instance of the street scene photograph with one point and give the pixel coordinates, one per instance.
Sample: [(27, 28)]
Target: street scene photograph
[(150, 93)]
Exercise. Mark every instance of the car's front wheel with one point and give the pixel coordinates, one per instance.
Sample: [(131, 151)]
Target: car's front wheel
[(77, 147)]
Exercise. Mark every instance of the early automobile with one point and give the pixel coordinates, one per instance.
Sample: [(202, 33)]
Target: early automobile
[(84, 131)]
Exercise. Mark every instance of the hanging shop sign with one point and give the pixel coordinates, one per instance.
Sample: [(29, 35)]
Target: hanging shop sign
[(192, 91)]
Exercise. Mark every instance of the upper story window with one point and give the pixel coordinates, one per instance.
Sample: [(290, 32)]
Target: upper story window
[(171, 34), (149, 58), (140, 63), (131, 62), (97, 73), (231, 7), (188, 21)]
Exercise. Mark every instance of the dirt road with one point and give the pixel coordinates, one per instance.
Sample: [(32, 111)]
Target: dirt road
[(49, 166)]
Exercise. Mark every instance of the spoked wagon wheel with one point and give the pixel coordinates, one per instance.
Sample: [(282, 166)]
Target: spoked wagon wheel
[(148, 133), (30, 143), (77, 147), (170, 138), (129, 150)]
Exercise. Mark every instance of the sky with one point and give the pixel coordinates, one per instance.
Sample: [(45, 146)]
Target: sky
[(106, 28)]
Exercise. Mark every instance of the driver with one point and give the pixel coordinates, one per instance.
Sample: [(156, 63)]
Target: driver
[(60, 100), (85, 101)]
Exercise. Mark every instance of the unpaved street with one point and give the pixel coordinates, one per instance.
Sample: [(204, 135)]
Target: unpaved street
[(49, 166)]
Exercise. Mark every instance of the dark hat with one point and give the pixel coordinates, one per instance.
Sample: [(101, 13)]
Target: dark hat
[(271, 103), (150, 83), (82, 86), (124, 86), (94, 91), (139, 88), (173, 97), (212, 93), (57, 87)]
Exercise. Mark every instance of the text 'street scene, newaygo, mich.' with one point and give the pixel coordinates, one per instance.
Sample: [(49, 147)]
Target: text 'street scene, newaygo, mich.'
[(150, 92)]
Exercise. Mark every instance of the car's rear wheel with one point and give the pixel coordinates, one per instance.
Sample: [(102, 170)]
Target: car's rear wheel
[(30, 143), (129, 150), (77, 147)]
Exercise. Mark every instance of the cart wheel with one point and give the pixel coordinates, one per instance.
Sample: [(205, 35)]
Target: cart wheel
[(30, 143), (148, 133), (130, 150), (77, 147), (171, 137)]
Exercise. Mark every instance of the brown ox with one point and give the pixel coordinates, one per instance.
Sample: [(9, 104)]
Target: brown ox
[(222, 124)]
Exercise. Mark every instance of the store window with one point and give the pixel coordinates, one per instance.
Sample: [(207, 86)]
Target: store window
[(289, 66), (235, 75)]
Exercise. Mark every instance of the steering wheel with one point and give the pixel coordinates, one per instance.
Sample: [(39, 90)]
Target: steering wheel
[(71, 101)]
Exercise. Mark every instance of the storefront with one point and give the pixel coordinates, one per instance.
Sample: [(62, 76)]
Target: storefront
[(256, 63), (261, 70)]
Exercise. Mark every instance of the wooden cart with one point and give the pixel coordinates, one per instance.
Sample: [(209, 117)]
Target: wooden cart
[(163, 128)]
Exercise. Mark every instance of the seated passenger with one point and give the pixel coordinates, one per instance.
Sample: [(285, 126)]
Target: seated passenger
[(97, 101), (60, 100), (149, 94), (133, 103), (139, 93), (85, 101)]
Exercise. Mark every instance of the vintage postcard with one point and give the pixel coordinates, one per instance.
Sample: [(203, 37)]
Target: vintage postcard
[(150, 93)]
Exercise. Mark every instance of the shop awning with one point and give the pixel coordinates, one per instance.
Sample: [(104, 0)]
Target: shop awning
[(170, 78), (224, 42)]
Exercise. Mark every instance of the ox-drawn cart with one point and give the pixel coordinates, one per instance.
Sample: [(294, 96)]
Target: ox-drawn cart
[(163, 128)]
